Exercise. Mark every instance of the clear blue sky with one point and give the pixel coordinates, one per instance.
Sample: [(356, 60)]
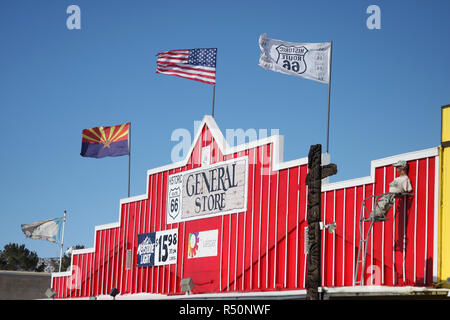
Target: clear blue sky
[(388, 86)]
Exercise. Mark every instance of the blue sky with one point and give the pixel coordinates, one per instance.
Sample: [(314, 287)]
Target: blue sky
[(388, 86)]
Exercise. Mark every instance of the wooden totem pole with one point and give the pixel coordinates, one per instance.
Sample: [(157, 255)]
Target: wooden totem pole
[(314, 182)]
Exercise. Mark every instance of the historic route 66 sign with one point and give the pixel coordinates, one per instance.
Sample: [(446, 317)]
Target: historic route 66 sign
[(292, 58), (174, 198)]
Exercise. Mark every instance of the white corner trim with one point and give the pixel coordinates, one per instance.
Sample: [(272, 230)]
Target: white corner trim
[(347, 183), (107, 226), (415, 155), (83, 251), (436, 219), (134, 198)]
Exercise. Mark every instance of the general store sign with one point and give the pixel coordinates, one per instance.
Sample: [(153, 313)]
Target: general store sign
[(211, 190)]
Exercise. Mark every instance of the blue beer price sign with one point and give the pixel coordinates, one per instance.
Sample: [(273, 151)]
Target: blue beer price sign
[(157, 248)]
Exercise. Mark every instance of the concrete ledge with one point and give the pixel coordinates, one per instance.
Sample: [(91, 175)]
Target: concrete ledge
[(357, 292), (23, 285)]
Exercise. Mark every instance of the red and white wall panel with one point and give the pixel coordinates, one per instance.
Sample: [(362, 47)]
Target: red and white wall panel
[(262, 249)]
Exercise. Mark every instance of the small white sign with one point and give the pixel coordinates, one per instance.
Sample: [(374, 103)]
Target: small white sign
[(166, 243), (203, 244)]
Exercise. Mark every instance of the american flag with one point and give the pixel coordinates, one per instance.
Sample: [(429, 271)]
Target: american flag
[(194, 64)]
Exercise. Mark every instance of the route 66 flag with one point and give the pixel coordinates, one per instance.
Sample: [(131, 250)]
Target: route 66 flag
[(307, 60)]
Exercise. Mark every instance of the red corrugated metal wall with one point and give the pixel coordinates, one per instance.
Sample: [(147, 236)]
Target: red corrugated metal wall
[(263, 248)]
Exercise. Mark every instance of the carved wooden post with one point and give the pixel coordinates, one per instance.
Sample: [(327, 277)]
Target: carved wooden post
[(314, 182)]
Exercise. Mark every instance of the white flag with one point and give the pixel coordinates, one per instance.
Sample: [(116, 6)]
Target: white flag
[(307, 60), (43, 230)]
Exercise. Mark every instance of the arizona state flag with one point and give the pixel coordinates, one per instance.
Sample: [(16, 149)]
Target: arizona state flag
[(102, 142)]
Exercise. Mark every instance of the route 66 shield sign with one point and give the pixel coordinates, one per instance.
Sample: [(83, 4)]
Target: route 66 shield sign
[(174, 198), (174, 202), (292, 58)]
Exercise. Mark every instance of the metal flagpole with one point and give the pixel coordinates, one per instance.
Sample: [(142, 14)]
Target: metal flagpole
[(214, 91), (329, 93), (214, 96), (129, 158), (62, 240)]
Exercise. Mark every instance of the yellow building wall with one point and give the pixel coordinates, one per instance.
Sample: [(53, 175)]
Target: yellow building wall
[(445, 136), (444, 196)]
